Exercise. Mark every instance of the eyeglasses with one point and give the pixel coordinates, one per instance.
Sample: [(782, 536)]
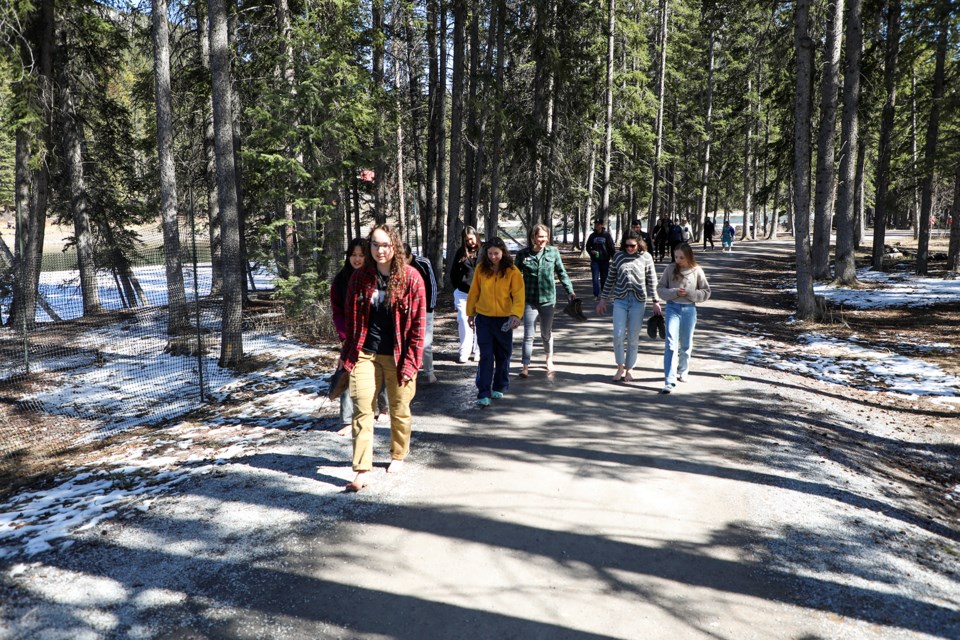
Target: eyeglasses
[(631, 245), (381, 246)]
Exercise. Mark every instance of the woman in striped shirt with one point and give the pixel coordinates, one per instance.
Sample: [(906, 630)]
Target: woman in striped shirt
[(632, 279)]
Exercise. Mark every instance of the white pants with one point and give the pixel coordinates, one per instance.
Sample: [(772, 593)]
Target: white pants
[(468, 338)]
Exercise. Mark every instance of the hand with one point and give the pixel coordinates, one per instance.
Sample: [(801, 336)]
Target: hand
[(657, 309), (404, 381), (571, 297), (601, 306), (471, 322), (514, 322), (681, 293)]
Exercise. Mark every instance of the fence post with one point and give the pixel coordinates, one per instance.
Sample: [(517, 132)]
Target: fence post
[(196, 291)]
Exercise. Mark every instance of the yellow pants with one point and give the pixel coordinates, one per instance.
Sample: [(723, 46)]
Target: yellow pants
[(370, 372)]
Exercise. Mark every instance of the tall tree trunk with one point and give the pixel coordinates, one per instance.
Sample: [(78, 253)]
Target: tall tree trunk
[(210, 168), (707, 133), (658, 145), (806, 303), (288, 264), (886, 132), (930, 146), (494, 211), (591, 175), (608, 126), (915, 205), (74, 142), (454, 223), (859, 223), (845, 266), (178, 319), (231, 345), (413, 77), (747, 166), (438, 228), (953, 251), (380, 165), (826, 152)]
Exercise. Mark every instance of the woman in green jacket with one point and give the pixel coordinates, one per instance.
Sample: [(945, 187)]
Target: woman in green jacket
[(541, 265)]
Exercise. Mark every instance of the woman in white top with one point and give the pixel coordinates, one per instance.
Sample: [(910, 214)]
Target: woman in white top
[(682, 285)]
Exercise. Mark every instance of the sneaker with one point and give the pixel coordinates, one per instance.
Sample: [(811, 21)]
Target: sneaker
[(666, 389), (682, 377), (496, 395), (462, 360), (483, 402)]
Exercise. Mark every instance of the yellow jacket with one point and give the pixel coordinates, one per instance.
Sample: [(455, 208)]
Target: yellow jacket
[(496, 296)]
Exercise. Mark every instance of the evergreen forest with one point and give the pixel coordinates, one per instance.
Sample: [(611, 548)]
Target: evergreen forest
[(283, 128)]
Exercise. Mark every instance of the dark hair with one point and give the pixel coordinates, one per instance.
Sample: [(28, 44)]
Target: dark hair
[(356, 242), (636, 223), (468, 230), (505, 262), (534, 230), (398, 266), (633, 235), (688, 254), (407, 251)]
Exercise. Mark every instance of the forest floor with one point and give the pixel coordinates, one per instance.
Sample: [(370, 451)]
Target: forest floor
[(787, 491)]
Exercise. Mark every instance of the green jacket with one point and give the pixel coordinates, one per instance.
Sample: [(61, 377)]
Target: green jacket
[(540, 272)]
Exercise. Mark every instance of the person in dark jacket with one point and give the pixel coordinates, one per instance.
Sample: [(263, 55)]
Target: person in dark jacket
[(709, 228), (386, 313), (601, 248), (423, 265), (356, 256), (461, 276)]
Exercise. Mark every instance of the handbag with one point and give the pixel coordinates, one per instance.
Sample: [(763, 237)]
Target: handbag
[(338, 383), (655, 326)]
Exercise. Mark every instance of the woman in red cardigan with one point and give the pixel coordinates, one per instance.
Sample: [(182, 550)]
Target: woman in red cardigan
[(386, 313)]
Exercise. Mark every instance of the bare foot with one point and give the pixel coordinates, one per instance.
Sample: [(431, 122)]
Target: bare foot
[(549, 365), (524, 372), (628, 376), (395, 466), (345, 430), (361, 481), (619, 376)]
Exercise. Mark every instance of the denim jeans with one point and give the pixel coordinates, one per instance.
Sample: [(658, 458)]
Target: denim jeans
[(468, 339), (681, 319), (627, 321), (496, 346), (599, 270), (530, 313)]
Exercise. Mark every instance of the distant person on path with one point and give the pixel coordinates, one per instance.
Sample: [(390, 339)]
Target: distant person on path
[(386, 320), (709, 228), (632, 281), (601, 248), (637, 227), (423, 266), (674, 237), (687, 230), (661, 234), (683, 284), (727, 236), (494, 307), (461, 275), (356, 257), (541, 266)]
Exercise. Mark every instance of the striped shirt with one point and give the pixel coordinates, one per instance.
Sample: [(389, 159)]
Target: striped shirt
[(631, 274)]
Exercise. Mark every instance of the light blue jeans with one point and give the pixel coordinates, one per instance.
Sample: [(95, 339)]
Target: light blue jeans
[(681, 320), (627, 320), (530, 313)]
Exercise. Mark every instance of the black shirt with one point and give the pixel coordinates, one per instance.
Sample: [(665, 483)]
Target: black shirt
[(381, 330)]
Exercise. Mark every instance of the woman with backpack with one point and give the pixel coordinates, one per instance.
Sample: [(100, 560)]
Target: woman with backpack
[(683, 285), (494, 308), (541, 266), (632, 281)]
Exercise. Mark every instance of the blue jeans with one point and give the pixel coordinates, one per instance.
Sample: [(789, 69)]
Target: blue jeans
[(681, 319), (493, 372), (599, 270), (627, 321), (530, 313)]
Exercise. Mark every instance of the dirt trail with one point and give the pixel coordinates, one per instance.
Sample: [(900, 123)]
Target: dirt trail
[(748, 504)]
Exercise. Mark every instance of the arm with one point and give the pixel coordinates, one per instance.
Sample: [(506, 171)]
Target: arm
[(611, 248), (612, 276), (517, 294), (418, 327), (561, 273), (474, 295), (664, 292), (702, 293), (651, 281)]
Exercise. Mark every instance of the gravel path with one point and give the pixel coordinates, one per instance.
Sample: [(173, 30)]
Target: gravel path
[(750, 503)]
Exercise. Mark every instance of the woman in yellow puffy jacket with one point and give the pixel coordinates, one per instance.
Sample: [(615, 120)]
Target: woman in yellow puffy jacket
[(494, 308)]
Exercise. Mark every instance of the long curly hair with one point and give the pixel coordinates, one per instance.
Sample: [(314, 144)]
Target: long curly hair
[(505, 262), (397, 287)]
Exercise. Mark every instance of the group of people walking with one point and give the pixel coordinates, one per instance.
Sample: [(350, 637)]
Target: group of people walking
[(384, 297)]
